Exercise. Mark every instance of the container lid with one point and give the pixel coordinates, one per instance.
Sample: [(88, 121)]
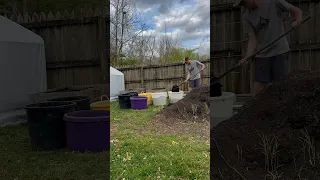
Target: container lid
[(138, 98), (128, 92), (145, 94), (87, 116), (51, 105), (71, 98), (123, 95), (100, 104)]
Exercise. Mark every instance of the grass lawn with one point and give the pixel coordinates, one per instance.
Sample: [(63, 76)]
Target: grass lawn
[(139, 152), (19, 162)]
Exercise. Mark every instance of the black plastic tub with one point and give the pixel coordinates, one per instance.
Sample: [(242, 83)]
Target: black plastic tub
[(47, 129), (124, 100)]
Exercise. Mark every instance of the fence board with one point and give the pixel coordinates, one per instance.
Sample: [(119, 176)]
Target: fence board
[(161, 76), (76, 46)]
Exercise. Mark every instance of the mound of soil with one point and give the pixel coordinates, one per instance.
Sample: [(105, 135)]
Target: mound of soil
[(194, 106), (277, 133)]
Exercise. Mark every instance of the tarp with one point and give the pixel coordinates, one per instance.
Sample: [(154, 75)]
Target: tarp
[(22, 65), (116, 83)]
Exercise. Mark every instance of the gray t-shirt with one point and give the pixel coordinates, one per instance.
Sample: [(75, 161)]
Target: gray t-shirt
[(266, 21), (194, 67)]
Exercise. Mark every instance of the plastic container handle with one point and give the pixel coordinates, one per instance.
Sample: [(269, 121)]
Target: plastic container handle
[(104, 96)]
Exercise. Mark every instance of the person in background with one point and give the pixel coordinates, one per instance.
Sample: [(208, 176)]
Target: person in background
[(193, 68), (263, 23)]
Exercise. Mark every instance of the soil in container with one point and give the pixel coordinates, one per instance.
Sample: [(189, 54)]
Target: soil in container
[(156, 90), (69, 89), (88, 131), (46, 127), (129, 92), (83, 102)]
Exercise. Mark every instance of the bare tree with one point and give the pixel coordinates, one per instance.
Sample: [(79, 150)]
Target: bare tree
[(124, 20), (128, 37)]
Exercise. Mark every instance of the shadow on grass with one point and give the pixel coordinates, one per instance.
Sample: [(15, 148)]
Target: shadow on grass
[(19, 161)]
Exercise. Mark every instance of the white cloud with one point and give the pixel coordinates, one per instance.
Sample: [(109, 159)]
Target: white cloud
[(188, 21), (163, 5), (146, 10)]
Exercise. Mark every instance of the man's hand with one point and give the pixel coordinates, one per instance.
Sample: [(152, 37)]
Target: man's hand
[(243, 61), (296, 24), (297, 14), (186, 80), (202, 67)]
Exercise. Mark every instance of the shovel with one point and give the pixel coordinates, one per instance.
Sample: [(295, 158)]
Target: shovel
[(215, 86)]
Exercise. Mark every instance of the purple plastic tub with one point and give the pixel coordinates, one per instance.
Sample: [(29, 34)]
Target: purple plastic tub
[(139, 102), (88, 130)]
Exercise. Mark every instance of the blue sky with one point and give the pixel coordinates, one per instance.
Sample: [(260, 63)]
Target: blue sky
[(186, 20)]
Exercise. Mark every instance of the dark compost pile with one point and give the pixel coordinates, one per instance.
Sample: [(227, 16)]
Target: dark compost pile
[(276, 134), (194, 106)]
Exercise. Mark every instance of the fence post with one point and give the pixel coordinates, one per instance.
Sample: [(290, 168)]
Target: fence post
[(142, 76), (102, 48)]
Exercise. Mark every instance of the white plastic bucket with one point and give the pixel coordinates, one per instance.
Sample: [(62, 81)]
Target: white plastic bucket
[(160, 100), (174, 100), (157, 94), (221, 108), (175, 96)]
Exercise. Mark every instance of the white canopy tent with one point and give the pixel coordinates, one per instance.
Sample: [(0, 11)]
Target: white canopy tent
[(22, 65), (116, 83)]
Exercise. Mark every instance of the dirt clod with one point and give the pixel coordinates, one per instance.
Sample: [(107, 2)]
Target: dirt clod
[(274, 136)]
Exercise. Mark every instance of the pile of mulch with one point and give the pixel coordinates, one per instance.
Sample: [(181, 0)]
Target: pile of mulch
[(284, 115), (193, 107)]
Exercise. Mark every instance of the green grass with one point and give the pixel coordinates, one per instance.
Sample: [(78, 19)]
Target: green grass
[(18, 161), (138, 152)]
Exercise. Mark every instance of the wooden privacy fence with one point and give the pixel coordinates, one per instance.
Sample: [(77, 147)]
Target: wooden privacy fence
[(160, 76), (228, 44), (76, 46)]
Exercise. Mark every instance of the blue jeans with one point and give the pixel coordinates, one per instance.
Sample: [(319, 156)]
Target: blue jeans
[(194, 83)]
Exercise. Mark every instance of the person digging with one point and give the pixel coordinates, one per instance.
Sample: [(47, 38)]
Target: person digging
[(193, 69), (263, 22)]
